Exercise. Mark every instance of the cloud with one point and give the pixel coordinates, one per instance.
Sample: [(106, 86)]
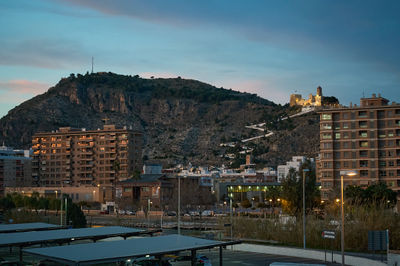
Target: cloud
[(366, 31), (23, 87), (42, 53)]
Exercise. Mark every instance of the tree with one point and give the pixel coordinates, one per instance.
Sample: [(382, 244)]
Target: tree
[(245, 203), (44, 203), (75, 215), (6, 203), (292, 190), (374, 194)]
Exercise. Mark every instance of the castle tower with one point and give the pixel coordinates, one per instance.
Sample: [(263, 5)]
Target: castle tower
[(319, 91)]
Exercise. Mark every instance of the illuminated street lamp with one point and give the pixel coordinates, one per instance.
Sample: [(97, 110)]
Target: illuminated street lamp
[(342, 174)]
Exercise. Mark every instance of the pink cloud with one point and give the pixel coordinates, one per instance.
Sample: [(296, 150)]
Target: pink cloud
[(24, 86), (264, 89)]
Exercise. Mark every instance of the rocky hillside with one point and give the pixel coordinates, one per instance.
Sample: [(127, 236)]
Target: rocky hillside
[(183, 120)]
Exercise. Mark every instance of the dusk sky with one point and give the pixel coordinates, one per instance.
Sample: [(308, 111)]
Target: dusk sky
[(272, 48)]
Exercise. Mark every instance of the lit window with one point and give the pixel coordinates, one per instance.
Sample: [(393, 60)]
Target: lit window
[(326, 116), (363, 144)]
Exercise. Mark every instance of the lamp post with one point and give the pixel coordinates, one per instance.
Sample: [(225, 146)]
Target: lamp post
[(148, 211), (304, 207), (231, 214), (179, 205), (342, 174)]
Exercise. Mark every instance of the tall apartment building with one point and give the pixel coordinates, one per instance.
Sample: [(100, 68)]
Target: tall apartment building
[(363, 138), (80, 157), (15, 168)]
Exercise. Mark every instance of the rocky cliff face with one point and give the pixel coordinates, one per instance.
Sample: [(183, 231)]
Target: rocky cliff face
[(183, 120)]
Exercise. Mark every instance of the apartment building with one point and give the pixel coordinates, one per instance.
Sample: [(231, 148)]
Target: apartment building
[(15, 168), (363, 138), (80, 157)]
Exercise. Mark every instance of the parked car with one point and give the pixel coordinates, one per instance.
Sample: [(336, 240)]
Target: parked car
[(202, 260), (207, 213), (130, 212), (104, 212), (194, 213)]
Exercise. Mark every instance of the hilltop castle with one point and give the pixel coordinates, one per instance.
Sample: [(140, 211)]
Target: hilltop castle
[(296, 99)]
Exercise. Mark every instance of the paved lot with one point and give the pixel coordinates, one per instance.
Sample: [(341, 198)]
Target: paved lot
[(252, 259)]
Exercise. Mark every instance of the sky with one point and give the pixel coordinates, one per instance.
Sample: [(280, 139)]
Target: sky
[(271, 48)]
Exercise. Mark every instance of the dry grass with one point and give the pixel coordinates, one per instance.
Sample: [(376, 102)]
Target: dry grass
[(358, 221)]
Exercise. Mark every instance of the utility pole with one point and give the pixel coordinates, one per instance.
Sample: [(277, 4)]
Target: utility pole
[(179, 204), (92, 63)]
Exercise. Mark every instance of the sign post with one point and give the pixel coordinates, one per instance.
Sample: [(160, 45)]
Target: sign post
[(328, 235)]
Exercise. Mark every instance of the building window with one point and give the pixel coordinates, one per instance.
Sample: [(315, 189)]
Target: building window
[(362, 113), (345, 125), (326, 117), (364, 173), (345, 115), (327, 145), (362, 124), (326, 136), (363, 144), (363, 153), (363, 163), (327, 155), (337, 136), (381, 134), (326, 126), (363, 134), (382, 163), (382, 173)]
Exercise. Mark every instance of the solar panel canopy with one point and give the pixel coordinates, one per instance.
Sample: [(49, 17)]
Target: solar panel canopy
[(25, 227), (123, 249), (54, 235)]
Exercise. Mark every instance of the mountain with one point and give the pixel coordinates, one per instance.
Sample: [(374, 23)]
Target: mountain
[(183, 120)]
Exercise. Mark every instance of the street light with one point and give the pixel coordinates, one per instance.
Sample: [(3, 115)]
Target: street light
[(304, 207), (342, 174)]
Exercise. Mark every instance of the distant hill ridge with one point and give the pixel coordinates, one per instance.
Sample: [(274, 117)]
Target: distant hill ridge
[(183, 120)]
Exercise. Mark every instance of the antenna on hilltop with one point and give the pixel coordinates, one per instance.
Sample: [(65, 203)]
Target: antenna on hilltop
[(92, 63)]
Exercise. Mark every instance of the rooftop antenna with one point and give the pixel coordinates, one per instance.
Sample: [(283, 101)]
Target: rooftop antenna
[(92, 63), (363, 93)]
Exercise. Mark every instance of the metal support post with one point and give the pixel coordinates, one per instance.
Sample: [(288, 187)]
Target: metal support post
[(179, 205)]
